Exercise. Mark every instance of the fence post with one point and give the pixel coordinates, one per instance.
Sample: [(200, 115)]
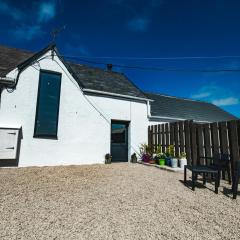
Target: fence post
[(176, 139), (215, 139), (155, 137), (181, 136), (207, 140), (233, 143), (188, 141), (163, 138), (193, 143), (201, 152)]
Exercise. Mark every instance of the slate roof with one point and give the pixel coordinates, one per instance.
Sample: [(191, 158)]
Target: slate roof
[(87, 77), (10, 58), (173, 107), (103, 80)]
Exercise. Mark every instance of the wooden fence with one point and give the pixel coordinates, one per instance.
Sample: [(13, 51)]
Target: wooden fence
[(198, 139)]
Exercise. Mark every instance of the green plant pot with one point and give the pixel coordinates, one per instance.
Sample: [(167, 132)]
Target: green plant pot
[(161, 162)]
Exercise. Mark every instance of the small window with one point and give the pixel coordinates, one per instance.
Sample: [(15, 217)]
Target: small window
[(46, 122), (118, 133)]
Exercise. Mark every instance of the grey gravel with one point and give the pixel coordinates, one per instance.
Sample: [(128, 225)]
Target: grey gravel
[(117, 201)]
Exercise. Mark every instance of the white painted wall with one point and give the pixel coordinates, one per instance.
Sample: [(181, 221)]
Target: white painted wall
[(83, 132)]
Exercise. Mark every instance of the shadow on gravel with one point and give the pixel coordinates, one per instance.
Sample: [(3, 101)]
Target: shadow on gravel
[(228, 192), (197, 185)]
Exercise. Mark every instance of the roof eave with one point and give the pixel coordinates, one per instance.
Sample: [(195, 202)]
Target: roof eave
[(86, 90)]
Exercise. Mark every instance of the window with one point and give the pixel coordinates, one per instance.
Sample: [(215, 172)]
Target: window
[(118, 133), (46, 122)]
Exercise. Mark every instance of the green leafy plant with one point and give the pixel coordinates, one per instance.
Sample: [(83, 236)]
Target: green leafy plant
[(145, 149), (170, 152), (183, 155), (146, 153), (159, 153)]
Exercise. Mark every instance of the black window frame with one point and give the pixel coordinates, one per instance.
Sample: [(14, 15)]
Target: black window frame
[(47, 136)]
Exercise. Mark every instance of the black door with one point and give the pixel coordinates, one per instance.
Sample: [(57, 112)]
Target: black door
[(119, 141)]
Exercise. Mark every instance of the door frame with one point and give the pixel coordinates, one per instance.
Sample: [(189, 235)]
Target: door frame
[(127, 123)]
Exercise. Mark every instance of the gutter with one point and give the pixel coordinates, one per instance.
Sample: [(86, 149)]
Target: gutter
[(178, 119), (116, 95), (7, 81)]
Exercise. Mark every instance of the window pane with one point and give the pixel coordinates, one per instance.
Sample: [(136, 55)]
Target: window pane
[(118, 133), (48, 104)]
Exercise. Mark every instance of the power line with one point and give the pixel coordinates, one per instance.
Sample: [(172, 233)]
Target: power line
[(156, 58), (156, 68)]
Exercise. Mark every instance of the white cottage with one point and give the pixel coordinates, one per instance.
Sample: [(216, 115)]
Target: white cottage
[(68, 113), (54, 112)]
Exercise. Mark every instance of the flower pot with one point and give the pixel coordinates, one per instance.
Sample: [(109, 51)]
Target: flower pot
[(162, 162), (168, 161), (182, 162), (174, 162)]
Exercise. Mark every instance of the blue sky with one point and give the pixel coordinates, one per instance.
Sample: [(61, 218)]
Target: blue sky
[(141, 29)]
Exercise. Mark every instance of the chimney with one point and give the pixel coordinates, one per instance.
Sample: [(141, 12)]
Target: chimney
[(109, 67)]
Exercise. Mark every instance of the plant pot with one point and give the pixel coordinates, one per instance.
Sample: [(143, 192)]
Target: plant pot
[(174, 162), (182, 162), (168, 161), (162, 162)]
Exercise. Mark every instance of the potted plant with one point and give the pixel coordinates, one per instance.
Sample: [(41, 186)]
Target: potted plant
[(182, 160), (146, 153), (161, 159), (168, 156), (159, 156), (134, 158), (108, 158), (173, 159)]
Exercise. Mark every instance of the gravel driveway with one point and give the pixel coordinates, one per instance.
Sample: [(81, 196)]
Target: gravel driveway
[(117, 201)]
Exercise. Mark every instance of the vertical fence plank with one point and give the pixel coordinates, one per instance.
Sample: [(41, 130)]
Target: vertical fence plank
[(181, 136), (193, 129), (176, 139), (171, 133), (152, 139), (155, 137), (223, 138), (187, 141), (233, 143), (149, 135), (215, 138), (207, 140), (200, 143), (163, 138), (167, 135), (159, 134)]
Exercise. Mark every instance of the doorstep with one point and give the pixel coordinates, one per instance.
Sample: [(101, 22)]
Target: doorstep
[(167, 168)]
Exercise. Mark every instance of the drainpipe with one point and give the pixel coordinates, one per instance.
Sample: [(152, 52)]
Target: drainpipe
[(148, 109), (1, 89)]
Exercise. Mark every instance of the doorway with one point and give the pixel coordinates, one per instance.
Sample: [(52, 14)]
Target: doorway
[(119, 141)]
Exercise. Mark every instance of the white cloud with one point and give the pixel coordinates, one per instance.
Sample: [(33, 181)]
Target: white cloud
[(226, 101), (8, 10), (201, 95), (47, 11), (27, 32), (212, 92), (138, 24)]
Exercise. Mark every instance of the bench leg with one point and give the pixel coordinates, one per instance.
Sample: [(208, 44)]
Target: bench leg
[(193, 180), (229, 175), (219, 178), (185, 174), (216, 182), (204, 179), (235, 188)]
